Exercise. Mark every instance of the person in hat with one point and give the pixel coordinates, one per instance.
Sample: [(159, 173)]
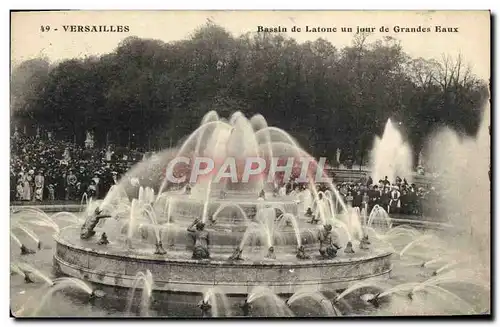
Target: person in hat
[(201, 239)]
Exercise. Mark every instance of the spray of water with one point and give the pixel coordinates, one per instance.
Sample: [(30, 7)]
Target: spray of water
[(146, 281), (219, 302), (328, 308), (60, 284)]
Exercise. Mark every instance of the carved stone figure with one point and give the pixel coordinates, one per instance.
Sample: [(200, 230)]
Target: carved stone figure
[(87, 230), (328, 242), (25, 250), (201, 239), (270, 253), (348, 248)]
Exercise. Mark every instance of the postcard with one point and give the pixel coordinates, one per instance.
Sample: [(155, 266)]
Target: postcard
[(210, 164)]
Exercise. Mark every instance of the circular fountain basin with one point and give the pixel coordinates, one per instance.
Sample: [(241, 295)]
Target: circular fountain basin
[(115, 265)]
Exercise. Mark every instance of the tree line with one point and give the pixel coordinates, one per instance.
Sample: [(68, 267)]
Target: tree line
[(151, 94)]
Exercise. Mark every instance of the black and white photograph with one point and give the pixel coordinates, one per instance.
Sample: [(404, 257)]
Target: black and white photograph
[(250, 164)]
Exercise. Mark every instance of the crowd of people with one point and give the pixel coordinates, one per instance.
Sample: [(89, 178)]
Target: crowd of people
[(49, 170), (396, 197)]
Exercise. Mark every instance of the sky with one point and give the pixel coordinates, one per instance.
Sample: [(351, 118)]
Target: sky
[(472, 40)]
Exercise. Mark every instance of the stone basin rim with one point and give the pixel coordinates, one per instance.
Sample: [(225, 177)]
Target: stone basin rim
[(210, 262)]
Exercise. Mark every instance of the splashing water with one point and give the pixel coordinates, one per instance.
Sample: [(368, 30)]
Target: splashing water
[(359, 285), (355, 228), (219, 302), (378, 214), (84, 201), (462, 165), (254, 229), (132, 220), (150, 213), (230, 205), (147, 290), (15, 239), (15, 269), (274, 304), (63, 214)]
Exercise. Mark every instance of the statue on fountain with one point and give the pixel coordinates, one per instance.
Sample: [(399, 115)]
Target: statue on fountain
[(328, 245), (201, 239), (270, 253), (87, 230)]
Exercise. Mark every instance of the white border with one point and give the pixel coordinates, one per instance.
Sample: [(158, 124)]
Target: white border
[(151, 5)]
